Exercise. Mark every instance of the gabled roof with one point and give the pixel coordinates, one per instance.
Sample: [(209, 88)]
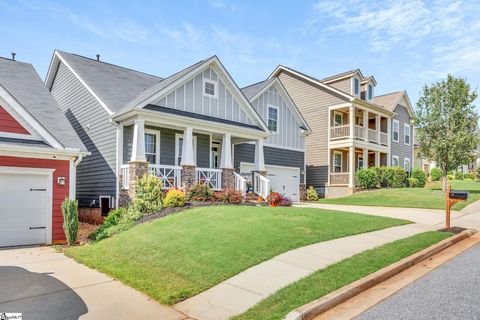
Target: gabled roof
[(255, 90), (346, 74), (113, 85), (370, 78), (21, 83), (390, 100)]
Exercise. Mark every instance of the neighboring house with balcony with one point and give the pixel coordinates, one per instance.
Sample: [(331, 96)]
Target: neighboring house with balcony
[(184, 128), (350, 130)]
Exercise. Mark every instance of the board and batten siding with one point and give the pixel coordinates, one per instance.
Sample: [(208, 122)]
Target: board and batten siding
[(313, 102), (344, 85), (245, 152), (96, 173), (189, 97), (289, 131), (399, 148)]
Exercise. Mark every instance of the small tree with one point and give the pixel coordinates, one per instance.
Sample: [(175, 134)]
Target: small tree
[(70, 220), (446, 123)]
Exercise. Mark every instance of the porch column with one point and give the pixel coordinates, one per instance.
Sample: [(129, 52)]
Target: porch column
[(377, 127), (389, 132), (351, 116), (189, 175), (259, 160), (377, 159), (351, 165), (228, 179), (138, 144), (365, 125), (138, 165), (365, 157)]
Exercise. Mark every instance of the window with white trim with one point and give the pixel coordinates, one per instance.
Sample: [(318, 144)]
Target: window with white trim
[(370, 92), (395, 161), (360, 162), (396, 130), (179, 147), (356, 86), (406, 164), (273, 118), (406, 133), (337, 161), (337, 118), (152, 148), (209, 88)]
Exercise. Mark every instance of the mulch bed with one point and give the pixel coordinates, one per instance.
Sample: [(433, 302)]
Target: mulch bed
[(84, 229), (454, 230)]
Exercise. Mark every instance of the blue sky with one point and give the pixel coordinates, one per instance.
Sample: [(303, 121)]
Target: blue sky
[(404, 44)]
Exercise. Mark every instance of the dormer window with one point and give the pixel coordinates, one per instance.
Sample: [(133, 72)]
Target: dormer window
[(356, 86), (209, 88), (370, 92)]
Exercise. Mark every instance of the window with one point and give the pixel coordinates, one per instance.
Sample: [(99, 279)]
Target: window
[(338, 118), (396, 130), (209, 88), (360, 162), (406, 133), (337, 162), (356, 86), (395, 161), (215, 155), (273, 119), (152, 149), (406, 164), (179, 147), (370, 92)]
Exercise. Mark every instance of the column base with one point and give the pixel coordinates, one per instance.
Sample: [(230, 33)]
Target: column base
[(303, 192), (189, 177), (228, 178), (136, 170)]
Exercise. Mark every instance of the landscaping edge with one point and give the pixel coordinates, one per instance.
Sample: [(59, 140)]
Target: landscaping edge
[(333, 299)]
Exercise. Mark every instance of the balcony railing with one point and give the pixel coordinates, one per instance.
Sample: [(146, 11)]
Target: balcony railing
[(339, 132), (372, 135), (170, 175), (339, 178), (210, 177), (383, 138), (261, 185), (359, 132)]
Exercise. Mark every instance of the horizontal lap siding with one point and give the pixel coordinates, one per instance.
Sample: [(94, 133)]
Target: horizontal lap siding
[(9, 124), (96, 173), (399, 148), (345, 85), (61, 168), (313, 102)]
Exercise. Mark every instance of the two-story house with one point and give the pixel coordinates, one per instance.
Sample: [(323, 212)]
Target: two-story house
[(350, 128)]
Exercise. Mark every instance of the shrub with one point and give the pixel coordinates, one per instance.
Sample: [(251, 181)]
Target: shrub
[(174, 198), (70, 220), (230, 196), (413, 182), (274, 199), (450, 177), (399, 177), (421, 177), (469, 176), (436, 174), (148, 198), (111, 220), (285, 202), (200, 192), (367, 178), (312, 194), (459, 175), (117, 221)]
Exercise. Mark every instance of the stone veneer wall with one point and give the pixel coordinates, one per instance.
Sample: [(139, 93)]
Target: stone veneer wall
[(228, 179), (188, 177), (303, 192)]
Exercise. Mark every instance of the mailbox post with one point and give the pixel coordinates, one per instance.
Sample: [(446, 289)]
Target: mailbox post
[(452, 197)]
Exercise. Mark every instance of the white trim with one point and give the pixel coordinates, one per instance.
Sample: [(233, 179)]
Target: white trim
[(335, 152), (49, 175), (37, 152), (398, 159), (100, 201), (157, 144), (119, 159), (268, 118), (409, 164), (395, 121), (19, 136), (278, 146), (405, 130), (177, 152), (72, 177), (215, 88), (353, 86), (335, 112)]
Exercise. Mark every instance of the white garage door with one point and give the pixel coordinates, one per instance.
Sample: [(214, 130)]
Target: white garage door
[(284, 180), (23, 209)]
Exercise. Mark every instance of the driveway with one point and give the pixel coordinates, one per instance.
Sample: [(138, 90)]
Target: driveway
[(44, 284), (449, 292)]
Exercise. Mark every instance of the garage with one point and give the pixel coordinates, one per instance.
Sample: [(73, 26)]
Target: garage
[(25, 211), (284, 180)]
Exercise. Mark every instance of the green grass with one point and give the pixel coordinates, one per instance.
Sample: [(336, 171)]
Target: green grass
[(338, 275), (181, 255), (430, 197)]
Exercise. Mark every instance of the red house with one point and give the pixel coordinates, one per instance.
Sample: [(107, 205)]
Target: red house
[(39, 152)]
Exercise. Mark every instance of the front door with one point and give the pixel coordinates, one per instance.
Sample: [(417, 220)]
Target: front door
[(215, 155)]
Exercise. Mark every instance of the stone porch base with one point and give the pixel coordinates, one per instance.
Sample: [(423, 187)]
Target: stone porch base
[(338, 191)]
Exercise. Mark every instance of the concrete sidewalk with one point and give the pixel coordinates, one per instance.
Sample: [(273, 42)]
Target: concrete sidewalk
[(44, 284), (243, 291)]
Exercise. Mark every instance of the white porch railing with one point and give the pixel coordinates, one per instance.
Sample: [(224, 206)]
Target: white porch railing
[(339, 132), (125, 176), (339, 178), (210, 177), (359, 132), (261, 185), (240, 183), (383, 138), (170, 175), (372, 135)]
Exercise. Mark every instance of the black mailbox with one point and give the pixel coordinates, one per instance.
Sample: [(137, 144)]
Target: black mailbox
[(458, 194)]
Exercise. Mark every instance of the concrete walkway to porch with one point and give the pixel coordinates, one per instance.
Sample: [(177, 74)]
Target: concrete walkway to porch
[(243, 291)]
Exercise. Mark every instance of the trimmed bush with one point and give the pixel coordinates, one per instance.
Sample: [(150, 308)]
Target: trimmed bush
[(200, 192), (285, 202), (148, 197), (230, 196), (111, 220), (459, 175), (413, 183), (450, 177), (469, 176), (367, 178), (312, 194), (117, 221), (436, 174), (421, 177), (399, 177), (174, 198), (70, 220)]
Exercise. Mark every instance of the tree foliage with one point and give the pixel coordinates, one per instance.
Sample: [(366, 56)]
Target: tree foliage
[(446, 123)]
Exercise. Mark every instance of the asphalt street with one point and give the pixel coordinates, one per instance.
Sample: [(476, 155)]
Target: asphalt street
[(452, 291)]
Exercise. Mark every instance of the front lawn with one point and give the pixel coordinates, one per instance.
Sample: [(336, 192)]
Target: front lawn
[(183, 254), (338, 275), (430, 197)]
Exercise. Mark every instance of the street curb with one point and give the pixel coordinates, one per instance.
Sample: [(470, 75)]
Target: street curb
[(333, 299)]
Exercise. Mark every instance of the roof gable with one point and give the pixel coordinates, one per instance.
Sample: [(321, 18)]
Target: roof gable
[(9, 124), (390, 101)]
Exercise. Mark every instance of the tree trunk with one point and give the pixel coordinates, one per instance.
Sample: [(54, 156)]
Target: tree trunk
[(444, 183)]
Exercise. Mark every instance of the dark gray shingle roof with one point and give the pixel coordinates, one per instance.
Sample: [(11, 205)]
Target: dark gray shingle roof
[(253, 89), (23, 83), (114, 85)]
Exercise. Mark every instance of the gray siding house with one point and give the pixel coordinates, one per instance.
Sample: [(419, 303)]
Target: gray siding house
[(182, 128)]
